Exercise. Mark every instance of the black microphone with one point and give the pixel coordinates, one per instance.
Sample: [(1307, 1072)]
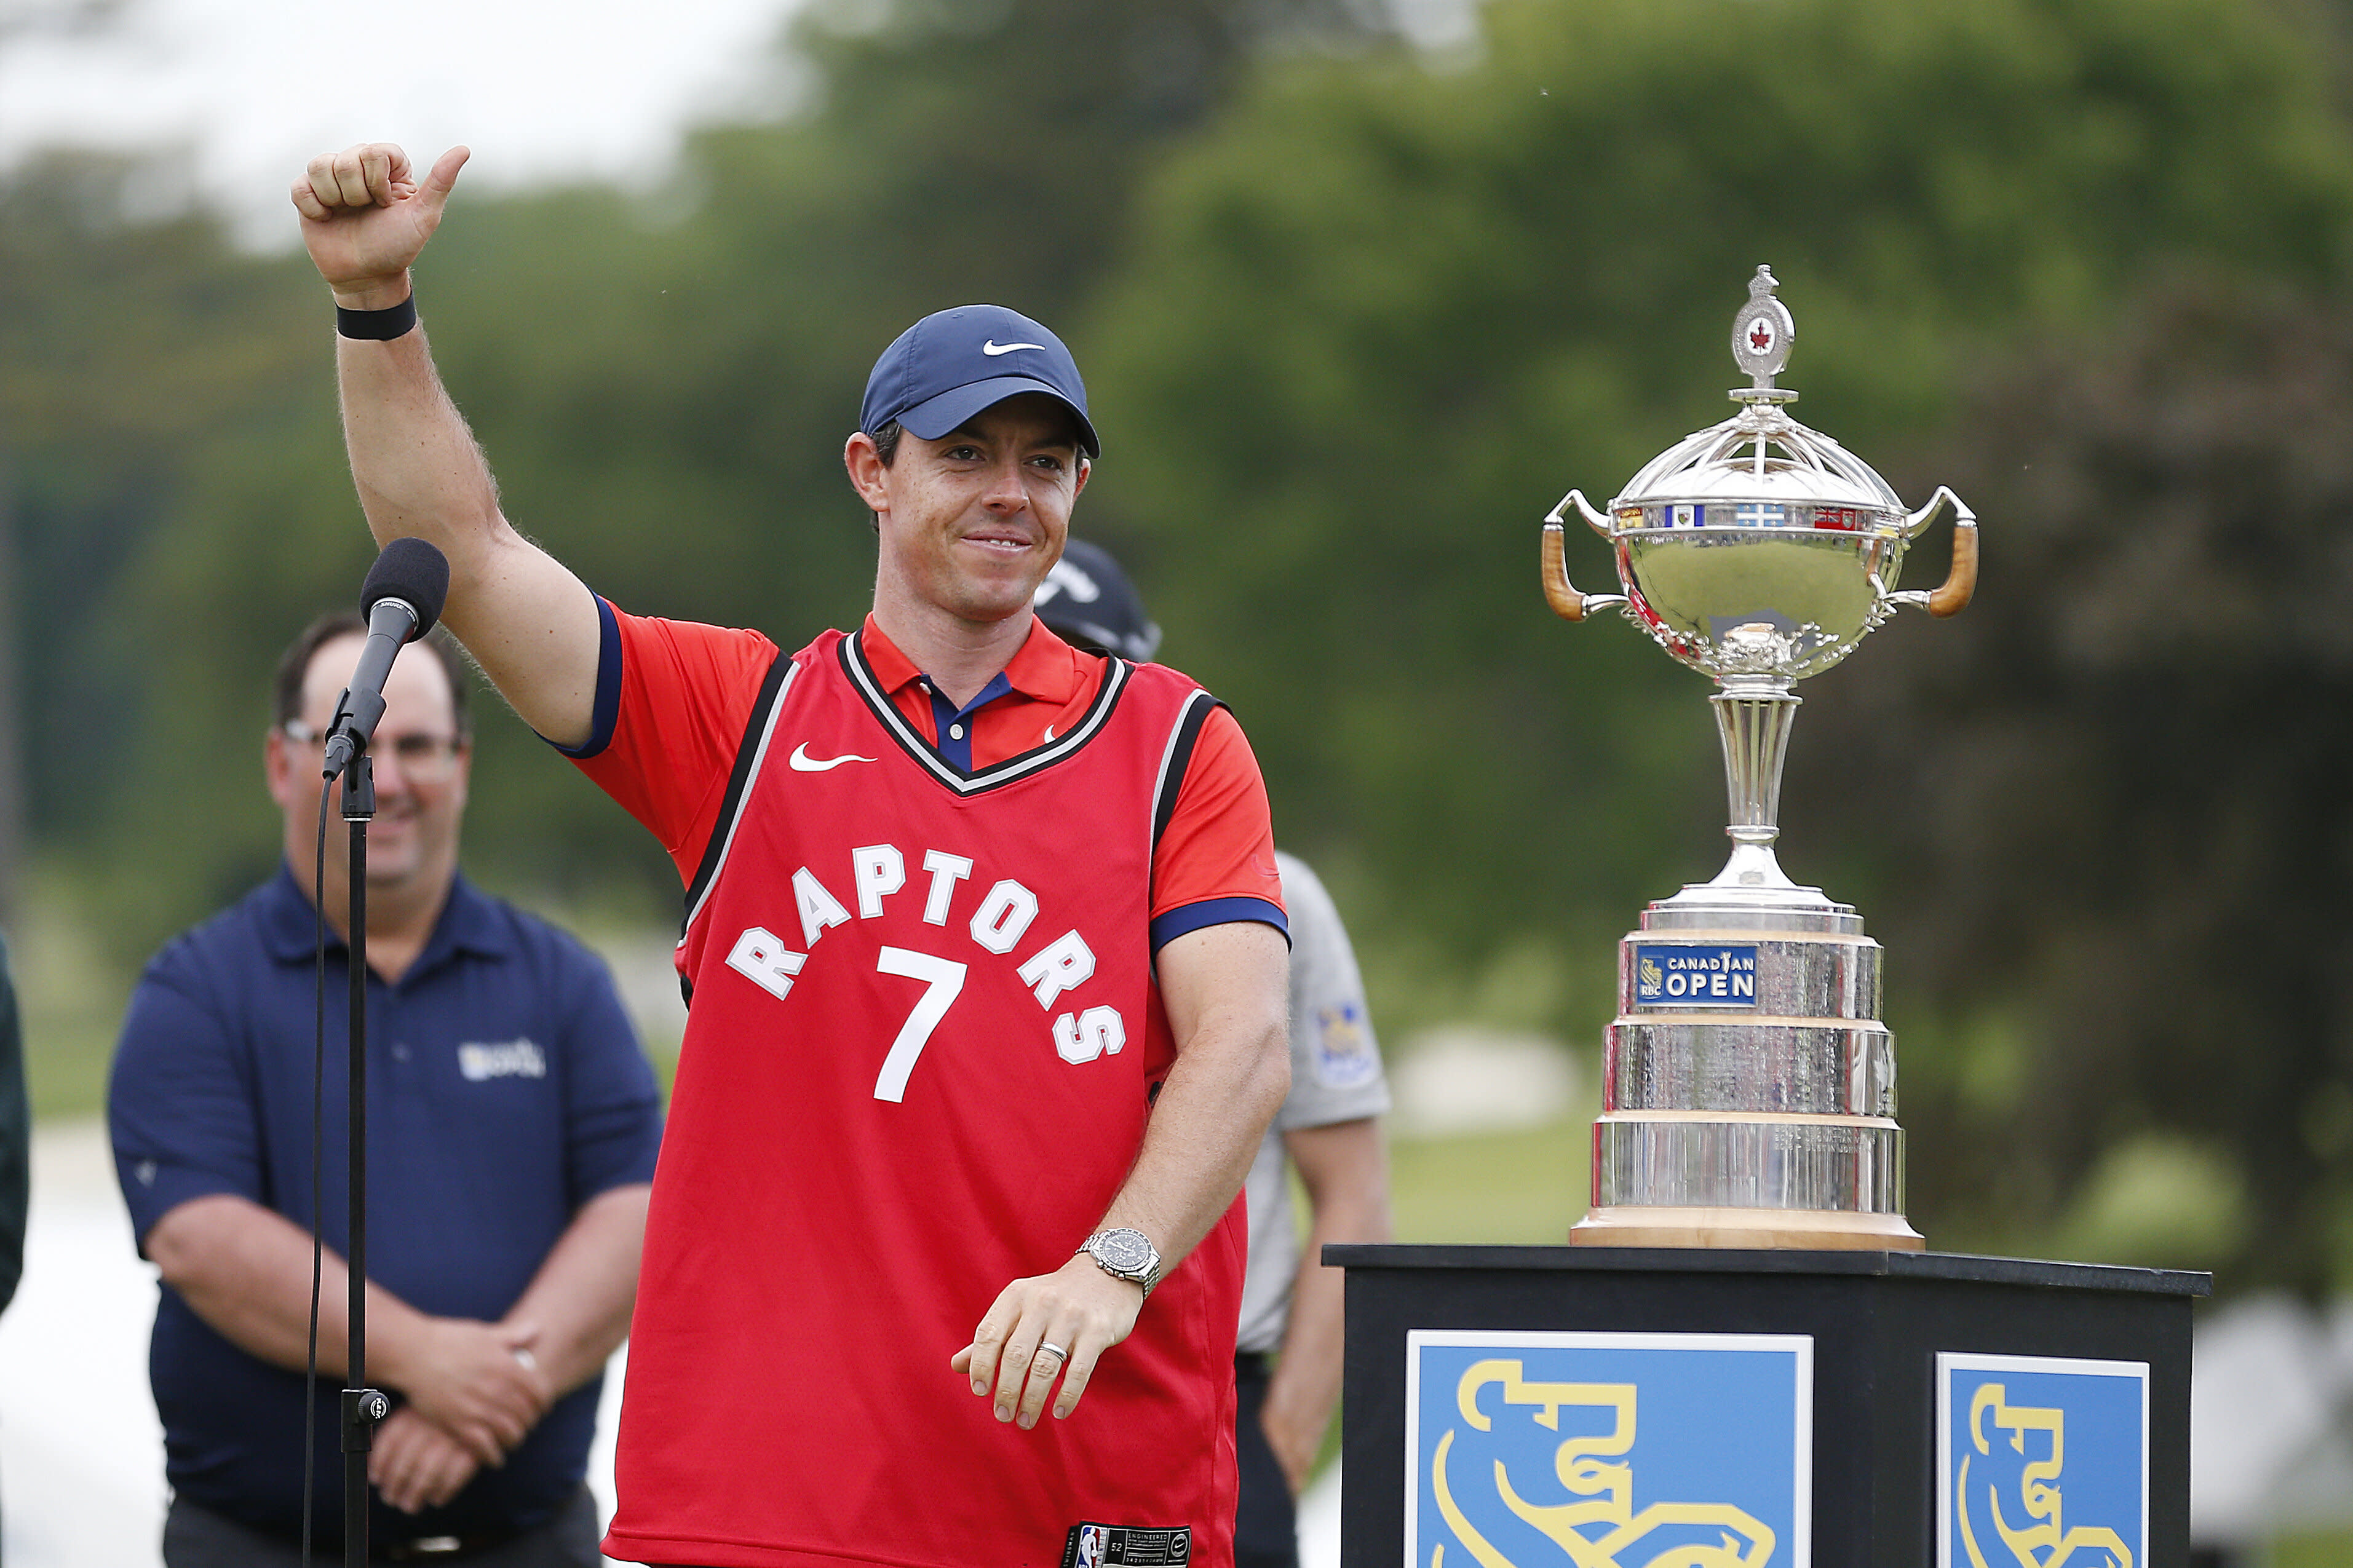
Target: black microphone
[(401, 600)]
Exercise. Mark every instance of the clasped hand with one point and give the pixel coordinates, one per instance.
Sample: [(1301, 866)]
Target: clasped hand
[(474, 1391), (1078, 1308)]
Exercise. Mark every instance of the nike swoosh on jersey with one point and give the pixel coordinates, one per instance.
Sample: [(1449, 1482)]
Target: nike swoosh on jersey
[(803, 763), (992, 348)]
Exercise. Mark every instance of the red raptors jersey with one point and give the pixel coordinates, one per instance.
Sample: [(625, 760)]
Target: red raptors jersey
[(917, 1066)]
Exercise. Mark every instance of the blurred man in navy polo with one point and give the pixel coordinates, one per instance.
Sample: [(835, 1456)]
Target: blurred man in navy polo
[(512, 1125)]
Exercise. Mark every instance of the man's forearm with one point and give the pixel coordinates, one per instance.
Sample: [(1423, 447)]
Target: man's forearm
[(531, 624), (1304, 1387), (582, 1295), (414, 460), (1225, 990), (1346, 1172), (367, 216), (246, 1271), (1208, 1120)]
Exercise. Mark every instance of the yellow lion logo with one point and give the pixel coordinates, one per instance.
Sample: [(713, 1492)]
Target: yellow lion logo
[(2047, 1544), (1593, 1534)]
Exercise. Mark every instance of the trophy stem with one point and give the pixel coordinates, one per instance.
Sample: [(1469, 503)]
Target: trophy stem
[(1753, 715)]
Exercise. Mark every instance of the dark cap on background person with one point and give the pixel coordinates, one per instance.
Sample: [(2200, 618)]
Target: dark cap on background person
[(1086, 599), (952, 363)]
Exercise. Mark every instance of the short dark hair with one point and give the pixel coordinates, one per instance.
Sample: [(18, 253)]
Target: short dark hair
[(295, 663), (885, 437)]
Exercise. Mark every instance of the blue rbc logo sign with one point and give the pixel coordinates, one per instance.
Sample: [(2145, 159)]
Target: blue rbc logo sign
[(1607, 1451), (2041, 1463)]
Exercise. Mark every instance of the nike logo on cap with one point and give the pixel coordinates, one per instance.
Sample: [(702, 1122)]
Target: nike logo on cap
[(804, 764), (993, 348)]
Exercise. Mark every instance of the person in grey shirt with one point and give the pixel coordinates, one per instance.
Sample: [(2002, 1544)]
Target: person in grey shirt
[(1287, 1360)]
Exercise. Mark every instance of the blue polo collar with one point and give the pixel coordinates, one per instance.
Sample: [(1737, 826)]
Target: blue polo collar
[(469, 922)]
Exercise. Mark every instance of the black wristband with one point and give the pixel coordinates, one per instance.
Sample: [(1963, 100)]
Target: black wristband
[(377, 325)]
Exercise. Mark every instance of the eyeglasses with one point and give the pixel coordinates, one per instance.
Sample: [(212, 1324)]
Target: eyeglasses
[(428, 759)]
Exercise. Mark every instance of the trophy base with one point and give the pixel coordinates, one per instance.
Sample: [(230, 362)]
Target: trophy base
[(1748, 1087), (1812, 1230)]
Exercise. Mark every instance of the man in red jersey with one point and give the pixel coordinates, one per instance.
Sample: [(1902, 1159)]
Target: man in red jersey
[(987, 964)]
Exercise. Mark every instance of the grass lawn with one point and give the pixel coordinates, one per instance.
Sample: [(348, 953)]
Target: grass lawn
[(70, 998), (1521, 1187)]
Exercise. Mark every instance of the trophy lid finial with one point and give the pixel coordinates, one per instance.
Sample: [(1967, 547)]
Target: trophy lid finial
[(1761, 335)]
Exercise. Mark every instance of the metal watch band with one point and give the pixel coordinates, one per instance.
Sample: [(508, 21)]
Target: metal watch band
[(1111, 1250)]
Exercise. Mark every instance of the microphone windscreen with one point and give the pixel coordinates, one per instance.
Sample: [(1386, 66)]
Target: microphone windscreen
[(413, 571)]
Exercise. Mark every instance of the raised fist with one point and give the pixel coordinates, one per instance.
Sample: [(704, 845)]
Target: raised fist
[(366, 217)]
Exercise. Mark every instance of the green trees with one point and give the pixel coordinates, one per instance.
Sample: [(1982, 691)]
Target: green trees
[(141, 362), (2122, 840), (1382, 317)]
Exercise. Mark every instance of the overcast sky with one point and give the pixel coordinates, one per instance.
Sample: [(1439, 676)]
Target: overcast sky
[(539, 89), (252, 88)]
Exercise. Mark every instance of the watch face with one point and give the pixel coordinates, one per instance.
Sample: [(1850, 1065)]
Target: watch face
[(1126, 1251)]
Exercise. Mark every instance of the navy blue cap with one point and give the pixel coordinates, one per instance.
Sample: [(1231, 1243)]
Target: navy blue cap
[(952, 364), (1088, 600)]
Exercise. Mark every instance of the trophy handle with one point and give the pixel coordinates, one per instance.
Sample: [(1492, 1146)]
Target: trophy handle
[(1559, 591), (1599, 521), (1960, 583)]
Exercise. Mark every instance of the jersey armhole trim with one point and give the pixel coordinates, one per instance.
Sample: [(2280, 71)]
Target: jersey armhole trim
[(1178, 758), (605, 712), (757, 729), (1188, 917)]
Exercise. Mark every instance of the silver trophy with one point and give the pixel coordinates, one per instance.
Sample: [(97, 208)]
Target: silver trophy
[(1748, 1087)]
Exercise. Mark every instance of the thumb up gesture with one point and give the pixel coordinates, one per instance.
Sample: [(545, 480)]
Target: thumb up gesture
[(365, 217)]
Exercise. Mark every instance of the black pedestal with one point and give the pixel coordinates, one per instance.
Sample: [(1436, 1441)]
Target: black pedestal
[(1603, 1406)]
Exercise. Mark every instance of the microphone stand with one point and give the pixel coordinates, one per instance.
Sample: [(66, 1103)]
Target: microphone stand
[(363, 1406)]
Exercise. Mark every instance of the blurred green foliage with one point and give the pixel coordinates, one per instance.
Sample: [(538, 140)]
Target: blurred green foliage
[(1382, 317), (1355, 317), (2120, 875)]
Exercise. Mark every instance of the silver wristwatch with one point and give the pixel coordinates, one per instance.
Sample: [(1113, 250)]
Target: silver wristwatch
[(1126, 1253)]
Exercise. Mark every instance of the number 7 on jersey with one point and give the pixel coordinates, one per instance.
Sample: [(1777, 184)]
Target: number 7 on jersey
[(944, 981)]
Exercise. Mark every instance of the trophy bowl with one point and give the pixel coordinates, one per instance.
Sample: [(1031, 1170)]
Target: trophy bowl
[(1748, 1085), (1759, 547)]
